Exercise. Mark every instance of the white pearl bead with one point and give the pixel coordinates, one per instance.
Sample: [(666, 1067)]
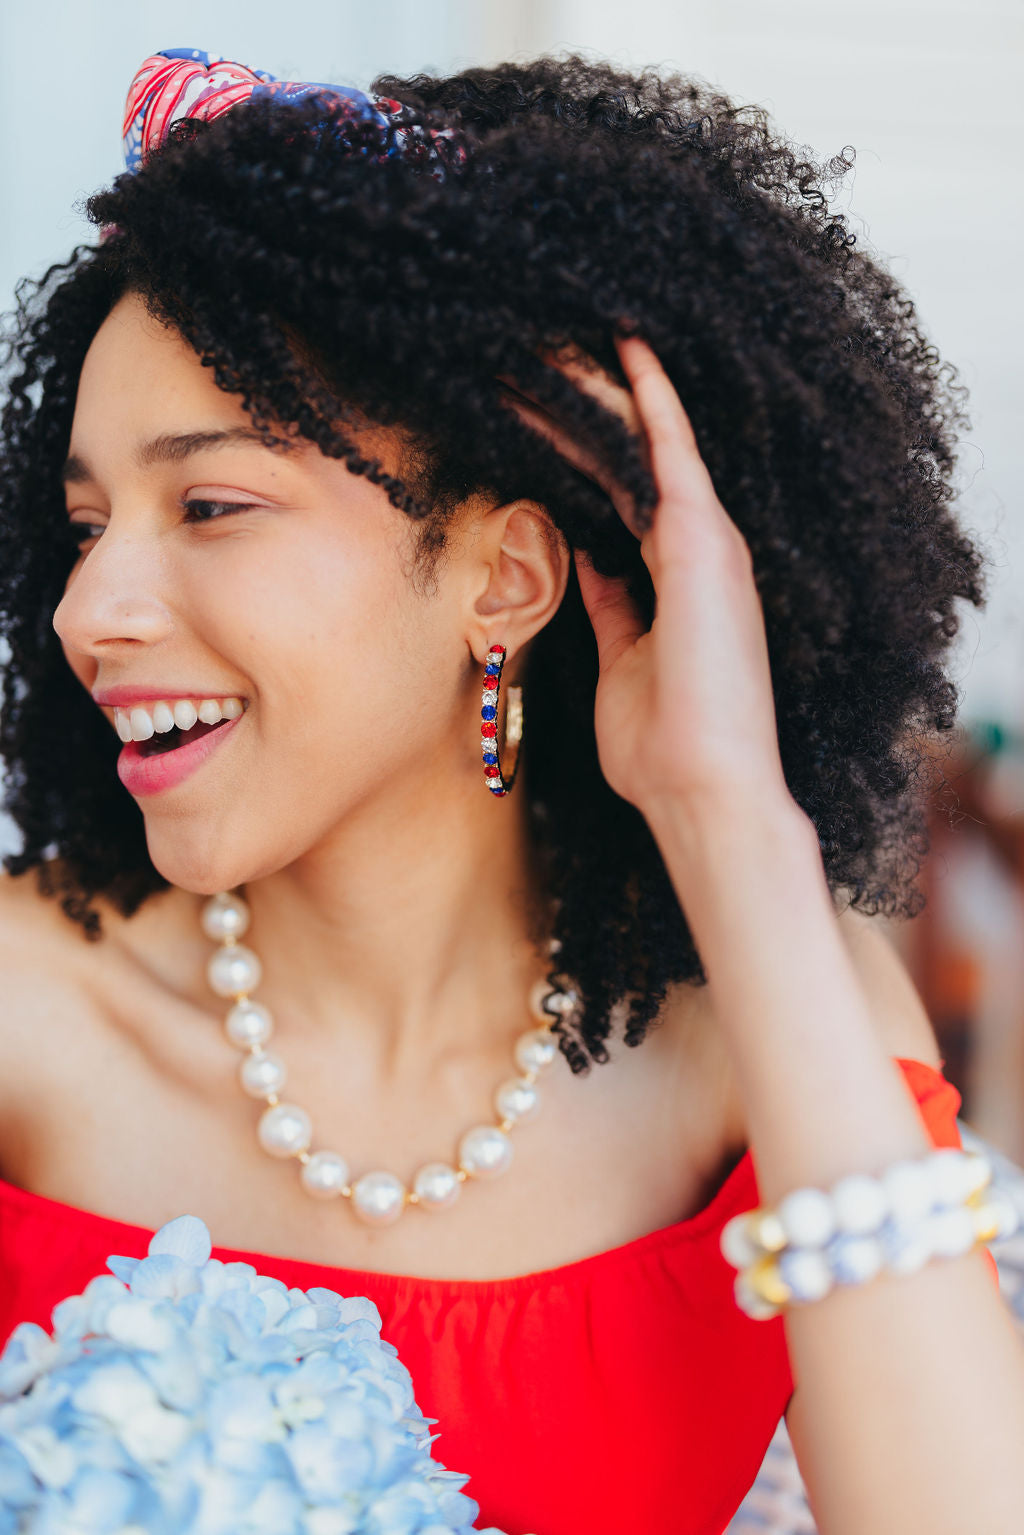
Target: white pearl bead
[(736, 1244), (1006, 1211), (485, 1151), (249, 1023), (952, 1178), (225, 916), (980, 1170), (860, 1204), (951, 1232), (858, 1260), (324, 1175), (285, 1130), (234, 969), (262, 1074), (908, 1187), (436, 1185), (806, 1272), (565, 1001), (535, 1049), (749, 1301), (378, 1198), (806, 1216), (516, 1099)]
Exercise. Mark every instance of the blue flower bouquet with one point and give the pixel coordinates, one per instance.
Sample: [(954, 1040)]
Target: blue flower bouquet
[(178, 1395)]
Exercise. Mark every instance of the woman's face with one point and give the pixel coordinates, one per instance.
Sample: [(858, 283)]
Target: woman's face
[(286, 588)]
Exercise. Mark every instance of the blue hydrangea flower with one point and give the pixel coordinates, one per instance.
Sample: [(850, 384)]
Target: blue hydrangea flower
[(179, 1395)]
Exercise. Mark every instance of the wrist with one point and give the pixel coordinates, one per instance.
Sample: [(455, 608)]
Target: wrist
[(706, 825)]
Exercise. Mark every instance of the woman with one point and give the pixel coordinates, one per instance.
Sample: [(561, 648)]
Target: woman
[(565, 385)]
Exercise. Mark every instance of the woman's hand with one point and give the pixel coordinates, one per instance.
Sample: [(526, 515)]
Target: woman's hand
[(684, 711)]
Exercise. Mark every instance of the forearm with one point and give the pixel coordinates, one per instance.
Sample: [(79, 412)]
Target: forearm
[(914, 1383)]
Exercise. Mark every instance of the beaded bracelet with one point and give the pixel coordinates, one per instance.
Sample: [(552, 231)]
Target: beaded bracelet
[(935, 1206)]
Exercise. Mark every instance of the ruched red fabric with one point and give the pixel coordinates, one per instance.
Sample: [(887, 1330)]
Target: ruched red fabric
[(622, 1391)]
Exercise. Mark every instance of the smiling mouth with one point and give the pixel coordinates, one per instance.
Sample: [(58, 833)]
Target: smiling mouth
[(170, 740)]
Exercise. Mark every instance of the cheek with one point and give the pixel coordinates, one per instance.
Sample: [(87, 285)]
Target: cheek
[(342, 653)]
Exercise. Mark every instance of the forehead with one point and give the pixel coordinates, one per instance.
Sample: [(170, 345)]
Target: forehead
[(138, 367)]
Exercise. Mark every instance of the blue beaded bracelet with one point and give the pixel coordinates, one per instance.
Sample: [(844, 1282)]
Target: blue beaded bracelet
[(938, 1205)]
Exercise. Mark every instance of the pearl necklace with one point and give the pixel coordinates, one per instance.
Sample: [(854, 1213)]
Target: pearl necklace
[(286, 1130)]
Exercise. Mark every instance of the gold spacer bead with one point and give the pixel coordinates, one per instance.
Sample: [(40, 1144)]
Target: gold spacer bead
[(766, 1281), (461, 1174), (347, 1191), (505, 1124), (272, 1099), (304, 1157), (986, 1223), (765, 1228), (411, 1198)]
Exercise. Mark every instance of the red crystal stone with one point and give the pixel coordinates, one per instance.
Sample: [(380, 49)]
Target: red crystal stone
[(488, 728), (498, 649), (491, 770)]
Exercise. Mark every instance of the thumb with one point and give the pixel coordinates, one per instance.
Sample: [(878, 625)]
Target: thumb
[(616, 619)]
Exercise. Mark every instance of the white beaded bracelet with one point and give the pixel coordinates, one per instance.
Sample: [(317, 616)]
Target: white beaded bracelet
[(936, 1206)]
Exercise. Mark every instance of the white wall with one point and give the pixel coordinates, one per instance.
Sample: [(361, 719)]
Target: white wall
[(926, 90)]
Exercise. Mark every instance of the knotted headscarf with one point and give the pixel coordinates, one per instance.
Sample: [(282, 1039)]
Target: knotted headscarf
[(185, 82)]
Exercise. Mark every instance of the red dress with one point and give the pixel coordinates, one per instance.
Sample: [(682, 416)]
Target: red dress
[(625, 1391)]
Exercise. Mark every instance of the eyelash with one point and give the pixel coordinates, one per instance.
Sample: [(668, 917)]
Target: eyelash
[(79, 538)]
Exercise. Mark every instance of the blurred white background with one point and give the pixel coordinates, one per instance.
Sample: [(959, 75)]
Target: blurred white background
[(927, 92)]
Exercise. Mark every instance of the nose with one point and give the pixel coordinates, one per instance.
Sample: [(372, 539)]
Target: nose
[(115, 597)]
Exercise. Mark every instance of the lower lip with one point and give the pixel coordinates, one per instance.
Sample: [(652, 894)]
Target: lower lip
[(150, 775)]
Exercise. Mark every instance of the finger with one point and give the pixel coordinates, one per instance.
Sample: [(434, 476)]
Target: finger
[(590, 378), (580, 458), (613, 613), (675, 457)]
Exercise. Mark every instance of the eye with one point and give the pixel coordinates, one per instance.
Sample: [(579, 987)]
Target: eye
[(210, 510), (77, 533)]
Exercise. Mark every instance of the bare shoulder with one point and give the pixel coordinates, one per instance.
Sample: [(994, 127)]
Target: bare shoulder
[(48, 972)]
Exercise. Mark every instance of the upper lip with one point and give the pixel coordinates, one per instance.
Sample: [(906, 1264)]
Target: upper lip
[(141, 694)]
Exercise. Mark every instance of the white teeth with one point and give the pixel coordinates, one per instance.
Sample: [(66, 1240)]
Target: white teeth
[(185, 714), (140, 723)]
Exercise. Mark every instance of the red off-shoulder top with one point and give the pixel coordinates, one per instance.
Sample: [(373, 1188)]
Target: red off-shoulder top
[(624, 1391)]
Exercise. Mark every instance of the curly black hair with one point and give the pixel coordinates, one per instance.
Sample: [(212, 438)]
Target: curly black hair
[(321, 282)]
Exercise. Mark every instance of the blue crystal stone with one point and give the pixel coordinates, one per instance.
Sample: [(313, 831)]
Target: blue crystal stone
[(491, 671), (488, 712), (490, 756)]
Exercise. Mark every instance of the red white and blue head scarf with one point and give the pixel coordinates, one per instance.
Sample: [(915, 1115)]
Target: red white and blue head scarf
[(185, 82)]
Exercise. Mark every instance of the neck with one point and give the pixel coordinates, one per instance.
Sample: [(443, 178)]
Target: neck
[(412, 936)]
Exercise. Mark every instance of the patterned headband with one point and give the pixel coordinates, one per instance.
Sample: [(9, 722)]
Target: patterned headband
[(185, 82)]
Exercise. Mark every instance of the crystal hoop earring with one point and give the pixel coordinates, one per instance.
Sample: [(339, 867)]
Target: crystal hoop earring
[(493, 777)]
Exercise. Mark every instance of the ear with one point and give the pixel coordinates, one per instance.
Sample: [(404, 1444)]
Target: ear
[(522, 561)]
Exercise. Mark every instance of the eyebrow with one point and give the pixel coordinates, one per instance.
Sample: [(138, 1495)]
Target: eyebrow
[(174, 448)]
